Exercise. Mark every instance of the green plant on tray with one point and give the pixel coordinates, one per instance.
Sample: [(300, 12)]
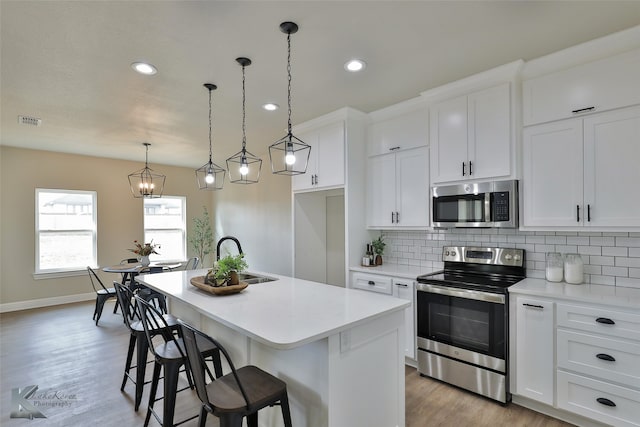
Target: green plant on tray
[(225, 266)]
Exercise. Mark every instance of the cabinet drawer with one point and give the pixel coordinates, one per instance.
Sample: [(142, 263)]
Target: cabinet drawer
[(611, 323), (589, 398), (605, 358), (370, 282)]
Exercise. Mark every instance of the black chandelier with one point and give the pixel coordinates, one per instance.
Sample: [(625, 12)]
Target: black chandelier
[(289, 155), (210, 176), (145, 183), (244, 167)]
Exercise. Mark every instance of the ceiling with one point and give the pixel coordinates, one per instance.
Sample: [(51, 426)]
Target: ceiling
[(68, 63)]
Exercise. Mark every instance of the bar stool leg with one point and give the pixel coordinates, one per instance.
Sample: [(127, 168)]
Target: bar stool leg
[(143, 348), (127, 366)]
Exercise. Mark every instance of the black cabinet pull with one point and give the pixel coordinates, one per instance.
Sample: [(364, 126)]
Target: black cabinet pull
[(372, 283), (394, 148), (583, 110), (392, 218), (578, 213), (463, 169), (588, 213), (605, 320), (404, 285), (533, 306), (470, 170), (605, 401), (603, 356), (397, 217)]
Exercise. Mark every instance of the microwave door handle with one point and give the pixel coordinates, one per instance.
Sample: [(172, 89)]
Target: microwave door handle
[(487, 207)]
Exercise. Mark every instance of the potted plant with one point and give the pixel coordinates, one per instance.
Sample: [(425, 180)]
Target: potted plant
[(378, 249), (225, 271), (202, 238), (143, 251)]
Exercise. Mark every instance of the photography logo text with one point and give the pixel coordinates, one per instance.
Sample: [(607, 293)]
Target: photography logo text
[(27, 402)]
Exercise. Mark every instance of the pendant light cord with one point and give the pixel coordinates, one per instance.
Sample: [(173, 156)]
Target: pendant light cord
[(244, 134), (210, 152), (289, 82)]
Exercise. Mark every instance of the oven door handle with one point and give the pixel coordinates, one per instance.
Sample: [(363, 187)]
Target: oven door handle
[(462, 293)]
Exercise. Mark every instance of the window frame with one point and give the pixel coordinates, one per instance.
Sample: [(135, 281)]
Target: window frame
[(183, 229), (40, 273)]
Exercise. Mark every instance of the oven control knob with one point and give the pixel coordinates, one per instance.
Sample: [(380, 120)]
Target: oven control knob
[(508, 257), (453, 253), (516, 257), (446, 253)]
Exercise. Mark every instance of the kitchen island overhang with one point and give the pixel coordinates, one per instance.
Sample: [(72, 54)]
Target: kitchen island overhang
[(339, 350)]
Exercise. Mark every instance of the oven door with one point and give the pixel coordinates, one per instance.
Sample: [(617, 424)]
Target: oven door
[(463, 324)]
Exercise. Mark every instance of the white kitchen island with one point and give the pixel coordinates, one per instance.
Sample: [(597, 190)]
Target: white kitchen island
[(339, 350)]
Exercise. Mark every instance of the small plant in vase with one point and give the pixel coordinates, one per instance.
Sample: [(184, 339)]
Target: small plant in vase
[(224, 272), (378, 249)]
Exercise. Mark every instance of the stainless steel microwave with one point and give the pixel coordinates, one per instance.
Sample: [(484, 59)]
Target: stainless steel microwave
[(472, 205)]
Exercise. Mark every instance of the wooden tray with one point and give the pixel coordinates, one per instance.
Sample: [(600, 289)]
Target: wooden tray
[(199, 282)]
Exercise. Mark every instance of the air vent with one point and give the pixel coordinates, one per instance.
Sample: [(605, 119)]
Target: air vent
[(31, 121)]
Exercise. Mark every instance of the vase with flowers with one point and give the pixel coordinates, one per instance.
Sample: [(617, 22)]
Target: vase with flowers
[(144, 250)]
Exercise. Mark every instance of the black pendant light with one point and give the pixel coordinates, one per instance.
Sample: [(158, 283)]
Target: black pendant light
[(145, 183), (289, 155), (210, 176), (244, 167)]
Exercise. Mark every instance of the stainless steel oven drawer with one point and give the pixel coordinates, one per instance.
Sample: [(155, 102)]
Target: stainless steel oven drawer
[(478, 380)]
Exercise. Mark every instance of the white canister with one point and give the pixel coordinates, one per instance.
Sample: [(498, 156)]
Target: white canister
[(554, 263), (573, 269)]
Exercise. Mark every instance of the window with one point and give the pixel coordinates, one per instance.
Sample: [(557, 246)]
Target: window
[(66, 232), (164, 223)]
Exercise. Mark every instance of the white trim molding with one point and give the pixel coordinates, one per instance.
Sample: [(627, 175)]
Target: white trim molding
[(45, 302)]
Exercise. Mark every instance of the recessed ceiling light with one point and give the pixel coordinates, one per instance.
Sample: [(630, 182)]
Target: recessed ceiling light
[(144, 68), (270, 106), (355, 65)]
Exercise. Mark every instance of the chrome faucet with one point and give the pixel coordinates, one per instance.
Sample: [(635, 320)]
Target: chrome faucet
[(227, 238)]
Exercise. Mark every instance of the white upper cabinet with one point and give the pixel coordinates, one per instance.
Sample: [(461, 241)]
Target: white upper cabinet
[(326, 167), (588, 88), (583, 172), (398, 189), (402, 132), (470, 136)]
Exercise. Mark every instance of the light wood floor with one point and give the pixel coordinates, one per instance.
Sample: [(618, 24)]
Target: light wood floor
[(60, 349)]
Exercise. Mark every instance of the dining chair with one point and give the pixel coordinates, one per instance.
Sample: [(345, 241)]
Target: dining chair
[(192, 264), (238, 394), (102, 294), (137, 339), (170, 357)]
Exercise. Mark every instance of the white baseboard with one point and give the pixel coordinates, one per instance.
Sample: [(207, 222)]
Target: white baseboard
[(45, 302), (555, 413)]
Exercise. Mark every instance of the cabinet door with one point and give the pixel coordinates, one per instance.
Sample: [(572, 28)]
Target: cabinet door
[(330, 155), (403, 132), (612, 168), (412, 188), (448, 130), (490, 133), (404, 289), (381, 190), (535, 349), (552, 184), (305, 181)]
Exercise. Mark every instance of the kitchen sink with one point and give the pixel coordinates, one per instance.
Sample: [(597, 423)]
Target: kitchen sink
[(252, 279)]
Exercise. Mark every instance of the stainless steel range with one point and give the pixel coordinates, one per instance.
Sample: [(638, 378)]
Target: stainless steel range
[(463, 317)]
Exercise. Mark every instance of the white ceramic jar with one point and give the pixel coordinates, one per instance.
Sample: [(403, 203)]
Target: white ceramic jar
[(573, 269)]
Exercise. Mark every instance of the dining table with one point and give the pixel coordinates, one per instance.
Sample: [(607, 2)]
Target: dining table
[(132, 269)]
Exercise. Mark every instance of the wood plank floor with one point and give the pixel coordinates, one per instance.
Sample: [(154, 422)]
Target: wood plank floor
[(60, 349)]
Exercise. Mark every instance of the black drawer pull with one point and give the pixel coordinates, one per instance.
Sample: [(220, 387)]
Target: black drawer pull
[(605, 320), (404, 285), (605, 401), (372, 283), (394, 148), (603, 356), (583, 110), (533, 306)]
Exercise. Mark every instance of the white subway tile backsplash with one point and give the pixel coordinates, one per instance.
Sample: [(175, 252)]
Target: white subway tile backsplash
[(614, 251), (610, 258)]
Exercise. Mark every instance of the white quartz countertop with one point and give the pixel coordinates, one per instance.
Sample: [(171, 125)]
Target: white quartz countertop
[(599, 294), (396, 270), (283, 314)]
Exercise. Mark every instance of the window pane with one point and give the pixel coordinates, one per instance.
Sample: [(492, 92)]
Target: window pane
[(65, 230), (66, 250), (164, 222)]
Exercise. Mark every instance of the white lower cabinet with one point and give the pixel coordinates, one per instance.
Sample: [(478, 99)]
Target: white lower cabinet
[(399, 288), (534, 344), (578, 357)]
